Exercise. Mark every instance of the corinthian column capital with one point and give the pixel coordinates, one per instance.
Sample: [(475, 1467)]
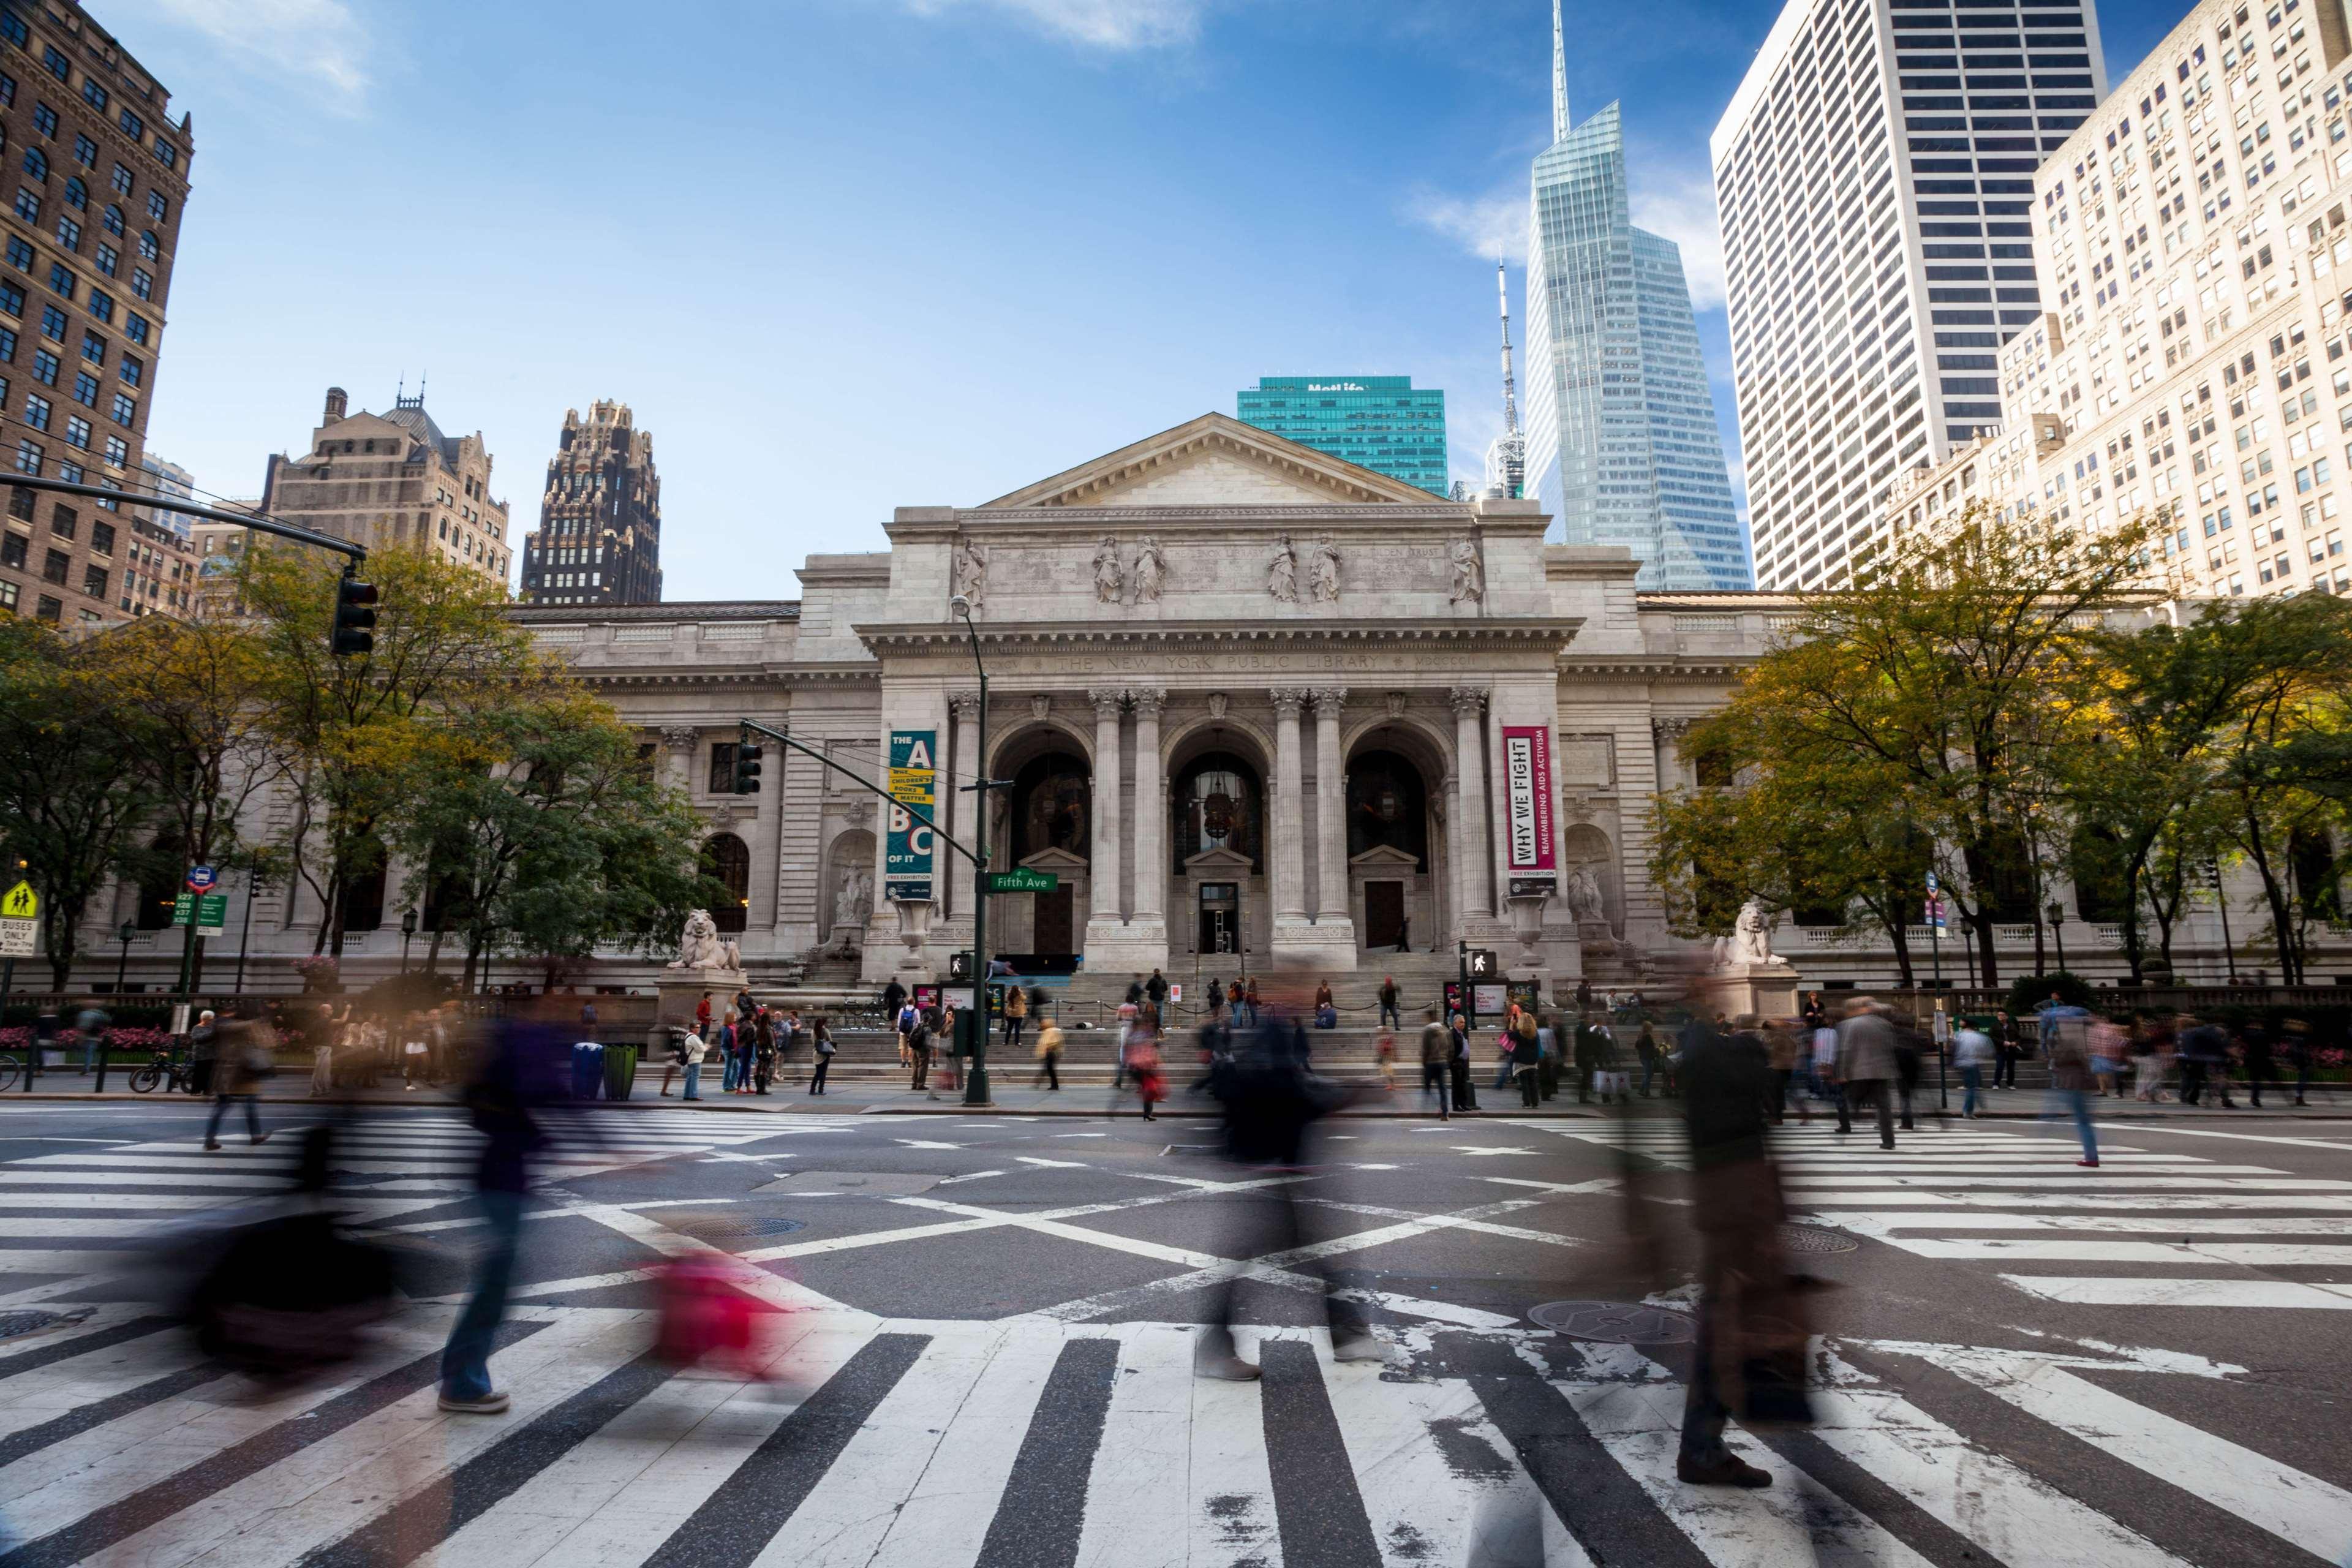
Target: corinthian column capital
[(1467, 700), (1148, 700), (1288, 700), (1329, 699), (1107, 702)]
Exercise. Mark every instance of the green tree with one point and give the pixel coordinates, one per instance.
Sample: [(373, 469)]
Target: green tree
[(543, 833), (71, 813)]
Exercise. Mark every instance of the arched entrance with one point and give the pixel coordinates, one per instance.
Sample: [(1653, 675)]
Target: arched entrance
[(1045, 823), (1395, 839), (1218, 912)]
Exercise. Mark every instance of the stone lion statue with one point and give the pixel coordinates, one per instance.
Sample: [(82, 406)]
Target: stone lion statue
[(701, 947)]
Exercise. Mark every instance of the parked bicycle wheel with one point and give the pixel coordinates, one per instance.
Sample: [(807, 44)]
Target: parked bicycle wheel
[(8, 1071), (144, 1080)]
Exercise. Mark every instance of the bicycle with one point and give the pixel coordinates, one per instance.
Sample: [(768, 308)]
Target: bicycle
[(163, 1070), (9, 1069)]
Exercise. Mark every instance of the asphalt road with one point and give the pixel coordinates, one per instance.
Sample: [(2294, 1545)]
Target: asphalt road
[(985, 1354)]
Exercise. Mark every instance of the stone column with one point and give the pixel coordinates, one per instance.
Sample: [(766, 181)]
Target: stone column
[(1150, 812), (1470, 803), (681, 740), (962, 811), (1103, 874), (1330, 813), (1284, 809)]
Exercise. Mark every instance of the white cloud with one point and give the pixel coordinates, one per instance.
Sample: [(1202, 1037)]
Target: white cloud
[(320, 45), (1679, 204), (1099, 23), (1492, 228)]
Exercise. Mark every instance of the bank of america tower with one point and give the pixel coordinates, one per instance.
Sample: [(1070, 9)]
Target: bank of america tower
[(1622, 438)]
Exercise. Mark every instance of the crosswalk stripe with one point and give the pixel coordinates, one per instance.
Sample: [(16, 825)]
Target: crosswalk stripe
[(77, 1497), (2086, 1184), (2143, 1202), (2018, 1519), (2045, 1250), (1798, 1172), (1138, 1505), (2300, 1509), (1883, 1223), (1796, 1520), (1230, 1504), (731, 1527), (2097, 1290), (1038, 1519), (111, 1324), (1314, 1480), (93, 1376), (323, 1491)]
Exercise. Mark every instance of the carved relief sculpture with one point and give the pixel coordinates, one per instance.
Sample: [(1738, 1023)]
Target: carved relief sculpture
[(1323, 575), (1150, 570), (1282, 573), (971, 572), (699, 946), (1106, 574), (1218, 703), (1583, 890), (853, 902), (1469, 573)]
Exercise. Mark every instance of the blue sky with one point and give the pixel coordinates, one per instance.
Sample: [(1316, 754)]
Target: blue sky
[(847, 254)]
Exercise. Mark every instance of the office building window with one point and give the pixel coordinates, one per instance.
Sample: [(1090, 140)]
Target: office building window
[(126, 409), (108, 258), (69, 234), (53, 323), (93, 582), (123, 181), (62, 281), (85, 152), (112, 218), (93, 348), (77, 432), (100, 304), (36, 411), (76, 193), (118, 451), (45, 367), (37, 163), (55, 565), (85, 390)]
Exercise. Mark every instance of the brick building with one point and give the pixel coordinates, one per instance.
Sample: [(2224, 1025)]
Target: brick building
[(598, 538), (385, 479), (99, 174)]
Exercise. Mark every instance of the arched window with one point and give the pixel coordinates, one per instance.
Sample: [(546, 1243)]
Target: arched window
[(112, 218), (1387, 806), (1217, 805), (1052, 805), (37, 163), (727, 861), (76, 192)]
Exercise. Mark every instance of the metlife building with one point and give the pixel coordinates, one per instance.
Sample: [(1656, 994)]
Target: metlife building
[(1378, 422)]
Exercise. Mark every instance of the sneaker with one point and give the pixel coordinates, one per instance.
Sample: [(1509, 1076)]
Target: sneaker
[(1358, 1347), (1225, 1368), (2089, 1165), (1724, 1470), (489, 1404)]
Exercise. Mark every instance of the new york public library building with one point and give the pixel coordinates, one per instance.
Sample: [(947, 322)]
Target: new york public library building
[(1257, 709)]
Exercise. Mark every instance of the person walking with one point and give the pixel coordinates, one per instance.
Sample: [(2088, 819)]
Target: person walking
[(763, 1051), (243, 1057), (1015, 1011), (1527, 1056), (2205, 1062), (203, 1048), (1645, 1050), (690, 1055), (1972, 1050), (1249, 999), (512, 1079), (723, 1043), (820, 1048), (1782, 1047), (919, 1051), (2298, 1053), (2254, 1045), (1436, 1065), (2067, 1046), (1049, 1057), (1155, 991), (1866, 1065), (1390, 1017)]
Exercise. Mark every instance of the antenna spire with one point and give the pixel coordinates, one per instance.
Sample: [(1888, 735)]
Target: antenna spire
[(1507, 459), (1559, 78)]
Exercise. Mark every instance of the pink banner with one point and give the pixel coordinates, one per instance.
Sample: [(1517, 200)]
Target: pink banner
[(1526, 794)]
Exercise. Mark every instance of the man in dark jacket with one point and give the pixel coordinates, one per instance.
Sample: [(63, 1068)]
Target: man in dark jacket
[(518, 1074)]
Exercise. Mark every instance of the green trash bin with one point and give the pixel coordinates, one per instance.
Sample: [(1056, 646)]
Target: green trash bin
[(620, 1070)]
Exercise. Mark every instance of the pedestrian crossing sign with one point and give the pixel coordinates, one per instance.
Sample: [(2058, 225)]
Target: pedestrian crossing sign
[(20, 902)]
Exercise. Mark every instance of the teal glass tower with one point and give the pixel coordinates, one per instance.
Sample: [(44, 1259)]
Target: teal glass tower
[(1622, 444), (1379, 422)]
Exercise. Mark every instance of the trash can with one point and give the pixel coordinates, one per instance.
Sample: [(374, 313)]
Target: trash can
[(620, 1071), (587, 1069)]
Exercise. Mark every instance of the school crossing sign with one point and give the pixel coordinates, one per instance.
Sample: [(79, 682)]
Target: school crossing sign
[(20, 909)]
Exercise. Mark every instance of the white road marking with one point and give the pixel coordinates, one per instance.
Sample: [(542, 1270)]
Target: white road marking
[(1480, 1149), (2337, 1146), (1881, 1223), (1138, 1504), (1064, 1164), (2105, 1292), (973, 1177), (925, 1143)]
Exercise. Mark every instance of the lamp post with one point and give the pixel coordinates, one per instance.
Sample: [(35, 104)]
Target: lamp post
[(407, 931), (2057, 913), (975, 1084), (122, 963), (2222, 902)]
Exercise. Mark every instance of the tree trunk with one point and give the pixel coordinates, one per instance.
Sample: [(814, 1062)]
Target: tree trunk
[(2273, 894)]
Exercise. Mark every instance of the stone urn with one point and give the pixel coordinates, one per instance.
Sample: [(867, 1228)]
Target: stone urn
[(914, 924), (1527, 925)]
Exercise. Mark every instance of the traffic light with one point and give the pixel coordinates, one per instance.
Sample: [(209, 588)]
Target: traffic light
[(1482, 963), (354, 618), (747, 768)]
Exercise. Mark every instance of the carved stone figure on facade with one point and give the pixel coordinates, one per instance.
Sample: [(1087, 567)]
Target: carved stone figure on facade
[(700, 946), (1584, 897), (1150, 571), (971, 573), (1282, 573), (1106, 573), (1469, 573), (1750, 941), (853, 903), (1323, 575)]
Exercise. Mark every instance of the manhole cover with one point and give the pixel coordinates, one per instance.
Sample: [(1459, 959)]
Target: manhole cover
[(1613, 1322), (14, 1325), (856, 1183), (1815, 1238), (729, 1225)]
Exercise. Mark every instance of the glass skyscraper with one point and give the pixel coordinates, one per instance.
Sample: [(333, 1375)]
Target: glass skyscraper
[(1622, 438), (1378, 422)]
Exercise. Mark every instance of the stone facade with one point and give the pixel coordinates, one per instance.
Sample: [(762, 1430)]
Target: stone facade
[(599, 535), (384, 480), (1252, 707)]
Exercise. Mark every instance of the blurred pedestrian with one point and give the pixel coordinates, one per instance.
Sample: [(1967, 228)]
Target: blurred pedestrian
[(1436, 1064), (1389, 1017), (2008, 1044), (919, 1051), (1972, 1051), (2067, 1046), (243, 1059), (690, 1055), (1749, 1353), (1384, 1060), (763, 1051), (2298, 1052), (2109, 1046), (1867, 1067), (511, 1081), (1049, 1057), (203, 1048), (2254, 1045), (91, 1024), (1782, 1047), (1326, 1014), (2205, 1063), (1645, 1050)]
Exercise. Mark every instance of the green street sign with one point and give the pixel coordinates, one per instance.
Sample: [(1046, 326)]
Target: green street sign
[(210, 910), (1022, 882)]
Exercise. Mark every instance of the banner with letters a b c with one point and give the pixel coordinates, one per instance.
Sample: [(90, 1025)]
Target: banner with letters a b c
[(914, 781)]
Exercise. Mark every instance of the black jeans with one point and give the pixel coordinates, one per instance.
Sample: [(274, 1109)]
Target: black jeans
[(1049, 1069), (1012, 1032), (1390, 1016), (1527, 1092), (1873, 1091), (1434, 1077), (1267, 1221), (817, 1074), (2004, 1068), (220, 1110), (1465, 1093)]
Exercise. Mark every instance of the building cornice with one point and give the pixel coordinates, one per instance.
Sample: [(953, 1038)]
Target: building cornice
[(672, 610), (1547, 632)]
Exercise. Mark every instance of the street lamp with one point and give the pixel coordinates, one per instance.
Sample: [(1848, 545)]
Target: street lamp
[(407, 931), (121, 964), (2221, 901), (975, 1086), (2057, 913)]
